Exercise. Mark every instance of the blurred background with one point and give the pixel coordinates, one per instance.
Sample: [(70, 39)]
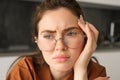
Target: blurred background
[(16, 31)]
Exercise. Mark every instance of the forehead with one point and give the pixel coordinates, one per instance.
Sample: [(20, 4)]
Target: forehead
[(58, 19)]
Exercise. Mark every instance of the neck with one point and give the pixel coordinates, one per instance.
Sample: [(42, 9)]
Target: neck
[(60, 75)]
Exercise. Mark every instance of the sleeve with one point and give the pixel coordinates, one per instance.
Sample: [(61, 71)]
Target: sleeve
[(103, 72), (96, 70), (20, 71)]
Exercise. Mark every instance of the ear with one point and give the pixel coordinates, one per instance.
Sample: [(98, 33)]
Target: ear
[(35, 39)]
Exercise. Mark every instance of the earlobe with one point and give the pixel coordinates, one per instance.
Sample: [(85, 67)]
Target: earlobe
[(35, 39)]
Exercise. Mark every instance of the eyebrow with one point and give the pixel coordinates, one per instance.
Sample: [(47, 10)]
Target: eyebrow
[(53, 31), (49, 31), (70, 28)]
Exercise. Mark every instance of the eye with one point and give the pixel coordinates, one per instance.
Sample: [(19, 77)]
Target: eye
[(48, 36), (72, 33)]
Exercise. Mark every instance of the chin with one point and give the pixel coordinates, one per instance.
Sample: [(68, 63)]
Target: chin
[(62, 68)]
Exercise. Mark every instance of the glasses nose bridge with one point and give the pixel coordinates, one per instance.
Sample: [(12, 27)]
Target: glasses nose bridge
[(60, 45), (62, 38), (59, 39)]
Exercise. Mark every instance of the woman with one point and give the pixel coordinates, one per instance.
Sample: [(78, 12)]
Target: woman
[(66, 43)]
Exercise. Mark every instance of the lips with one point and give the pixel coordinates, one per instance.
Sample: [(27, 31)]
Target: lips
[(61, 58)]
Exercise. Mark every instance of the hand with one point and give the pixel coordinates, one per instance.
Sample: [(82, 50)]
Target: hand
[(102, 78), (90, 46)]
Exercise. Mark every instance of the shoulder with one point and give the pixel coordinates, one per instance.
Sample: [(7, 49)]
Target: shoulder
[(21, 68), (95, 65), (24, 62), (96, 70)]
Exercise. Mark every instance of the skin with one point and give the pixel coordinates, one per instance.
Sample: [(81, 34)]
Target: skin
[(102, 78), (77, 59)]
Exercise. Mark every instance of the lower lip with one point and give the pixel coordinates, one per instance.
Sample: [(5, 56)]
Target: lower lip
[(61, 59)]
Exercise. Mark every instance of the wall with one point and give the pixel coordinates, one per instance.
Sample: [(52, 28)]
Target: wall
[(110, 59), (5, 63), (15, 23), (103, 2)]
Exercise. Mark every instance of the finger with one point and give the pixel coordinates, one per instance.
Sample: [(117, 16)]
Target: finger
[(102, 78), (82, 20), (82, 25), (91, 43), (95, 31), (88, 32), (89, 47)]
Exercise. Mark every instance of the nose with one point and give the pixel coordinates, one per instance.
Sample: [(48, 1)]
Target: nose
[(60, 45)]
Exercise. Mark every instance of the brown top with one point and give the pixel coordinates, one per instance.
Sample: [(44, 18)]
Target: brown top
[(25, 69)]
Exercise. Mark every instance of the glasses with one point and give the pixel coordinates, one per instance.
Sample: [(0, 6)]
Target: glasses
[(71, 38)]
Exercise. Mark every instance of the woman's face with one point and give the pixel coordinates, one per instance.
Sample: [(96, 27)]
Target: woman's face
[(56, 32)]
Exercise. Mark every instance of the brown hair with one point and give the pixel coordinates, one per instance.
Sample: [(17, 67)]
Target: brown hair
[(45, 5)]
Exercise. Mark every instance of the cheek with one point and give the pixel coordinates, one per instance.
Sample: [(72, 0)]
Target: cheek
[(82, 45), (76, 52), (47, 56)]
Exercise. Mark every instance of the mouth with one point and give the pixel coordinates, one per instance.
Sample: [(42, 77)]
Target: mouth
[(61, 58)]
